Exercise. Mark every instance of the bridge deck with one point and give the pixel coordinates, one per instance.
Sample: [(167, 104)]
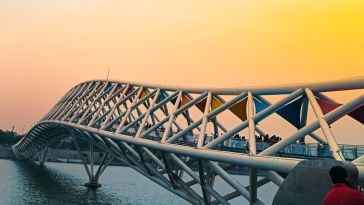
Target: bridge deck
[(309, 150)]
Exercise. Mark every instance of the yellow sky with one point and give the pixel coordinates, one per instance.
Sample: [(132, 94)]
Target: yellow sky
[(46, 47)]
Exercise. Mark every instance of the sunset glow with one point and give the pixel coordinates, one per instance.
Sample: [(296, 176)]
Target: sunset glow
[(47, 47)]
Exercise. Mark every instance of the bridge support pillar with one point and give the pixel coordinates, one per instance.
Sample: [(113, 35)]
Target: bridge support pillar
[(93, 176), (93, 179), (253, 186), (42, 156), (207, 181), (92, 184)]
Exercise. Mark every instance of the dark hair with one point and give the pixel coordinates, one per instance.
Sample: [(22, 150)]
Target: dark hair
[(338, 174)]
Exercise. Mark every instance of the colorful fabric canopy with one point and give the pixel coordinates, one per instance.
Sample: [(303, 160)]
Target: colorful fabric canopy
[(161, 97), (201, 105), (109, 86), (215, 103), (239, 109), (184, 101), (130, 89), (118, 89), (292, 112), (327, 106), (259, 106), (358, 114), (143, 94)]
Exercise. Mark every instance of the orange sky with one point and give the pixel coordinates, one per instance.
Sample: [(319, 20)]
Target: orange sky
[(46, 47)]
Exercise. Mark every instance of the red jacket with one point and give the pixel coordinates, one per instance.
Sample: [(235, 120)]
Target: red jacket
[(341, 194)]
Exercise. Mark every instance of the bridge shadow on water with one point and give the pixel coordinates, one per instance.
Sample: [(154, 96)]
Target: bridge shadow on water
[(47, 185)]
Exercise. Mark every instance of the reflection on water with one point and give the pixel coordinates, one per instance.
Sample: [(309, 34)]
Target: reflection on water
[(24, 182), (37, 185), (27, 183)]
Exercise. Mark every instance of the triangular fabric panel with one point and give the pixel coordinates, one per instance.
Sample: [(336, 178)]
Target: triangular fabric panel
[(201, 105), (161, 97), (130, 89), (358, 114), (184, 101), (173, 101), (118, 88), (143, 94), (327, 106), (239, 109), (292, 112), (215, 103), (109, 86), (259, 106)]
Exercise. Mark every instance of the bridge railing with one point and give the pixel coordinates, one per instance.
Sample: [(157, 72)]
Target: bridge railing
[(350, 152), (308, 150)]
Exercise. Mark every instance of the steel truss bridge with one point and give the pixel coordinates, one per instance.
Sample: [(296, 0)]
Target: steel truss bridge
[(143, 125)]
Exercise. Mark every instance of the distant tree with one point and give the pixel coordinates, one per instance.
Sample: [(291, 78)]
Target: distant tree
[(9, 137)]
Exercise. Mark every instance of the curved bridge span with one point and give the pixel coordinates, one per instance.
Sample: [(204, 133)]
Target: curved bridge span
[(177, 137)]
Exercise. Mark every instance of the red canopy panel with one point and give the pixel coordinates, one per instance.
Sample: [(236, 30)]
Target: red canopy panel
[(328, 106), (358, 114)]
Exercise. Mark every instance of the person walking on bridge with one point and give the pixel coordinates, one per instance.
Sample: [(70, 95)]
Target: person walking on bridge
[(342, 193)]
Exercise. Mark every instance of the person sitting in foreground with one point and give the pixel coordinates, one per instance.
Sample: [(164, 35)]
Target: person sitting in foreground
[(341, 193)]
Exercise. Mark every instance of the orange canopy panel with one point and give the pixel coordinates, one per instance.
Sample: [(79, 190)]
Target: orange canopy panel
[(215, 103), (239, 109)]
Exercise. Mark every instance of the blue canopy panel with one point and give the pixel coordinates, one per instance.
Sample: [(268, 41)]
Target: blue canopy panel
[(259, 106), (161, 97), (291, 112)]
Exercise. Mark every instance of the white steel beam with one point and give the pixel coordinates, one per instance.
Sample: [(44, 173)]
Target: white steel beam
[(334, 148), (201, 137), (258, 117), (329, 117)]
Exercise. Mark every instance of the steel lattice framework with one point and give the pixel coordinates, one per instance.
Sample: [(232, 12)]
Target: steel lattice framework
[(144, 127)]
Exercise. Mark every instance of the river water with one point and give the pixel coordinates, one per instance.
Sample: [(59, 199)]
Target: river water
[(62, 183)]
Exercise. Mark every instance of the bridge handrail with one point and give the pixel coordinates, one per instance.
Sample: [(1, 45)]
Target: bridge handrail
[(337, 85)]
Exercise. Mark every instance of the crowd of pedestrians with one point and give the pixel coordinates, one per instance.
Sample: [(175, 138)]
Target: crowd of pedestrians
[(261, 138)]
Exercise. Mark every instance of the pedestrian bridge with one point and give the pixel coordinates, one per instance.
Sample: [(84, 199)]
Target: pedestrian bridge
[(147, 127)]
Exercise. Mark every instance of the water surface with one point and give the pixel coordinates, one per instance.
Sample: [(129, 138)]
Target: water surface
[(62, 183)]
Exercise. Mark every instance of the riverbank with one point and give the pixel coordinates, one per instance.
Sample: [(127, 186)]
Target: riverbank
[(6, 152), (57, 155), (71, 156)]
